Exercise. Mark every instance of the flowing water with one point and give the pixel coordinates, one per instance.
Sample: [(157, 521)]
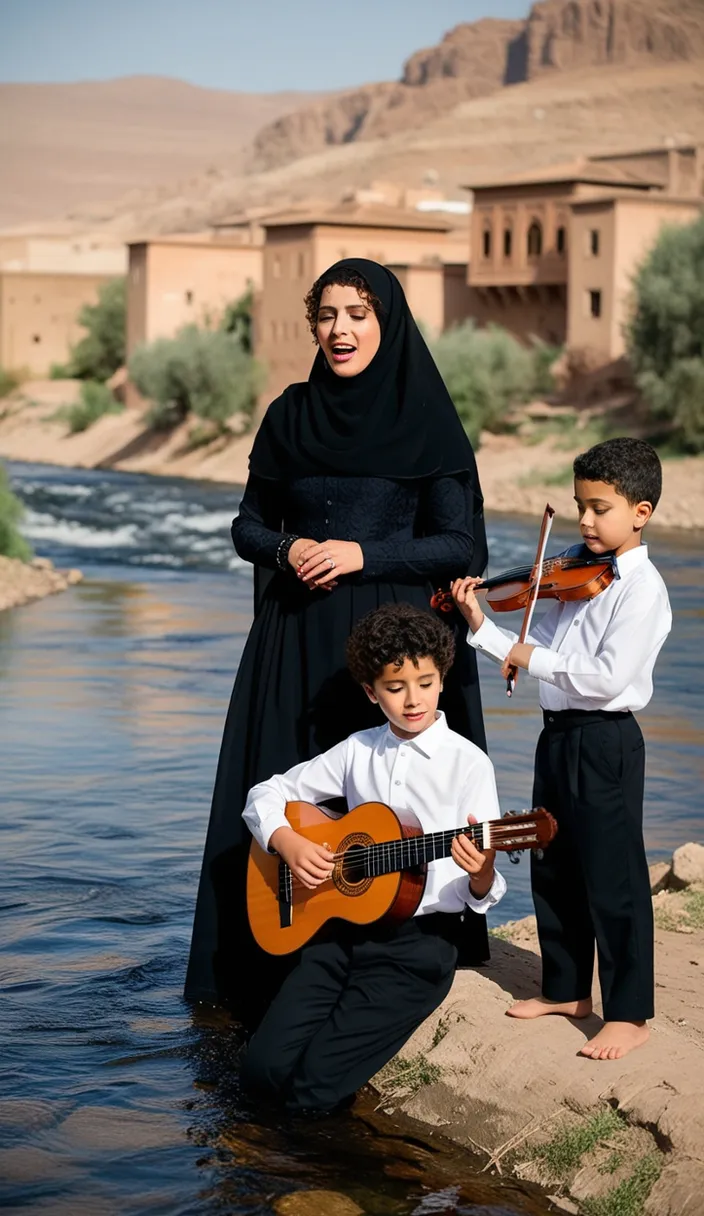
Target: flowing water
[(113, 1096)]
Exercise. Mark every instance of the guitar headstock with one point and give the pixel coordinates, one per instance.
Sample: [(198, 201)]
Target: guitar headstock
[(523, 830)]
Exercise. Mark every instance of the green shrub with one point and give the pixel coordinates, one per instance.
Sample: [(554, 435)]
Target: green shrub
[(544, 356), (8, 382), (12, 544), (487, 372), (95, 401), (99, 354), (200, 371), (665, 335), (237, 320)]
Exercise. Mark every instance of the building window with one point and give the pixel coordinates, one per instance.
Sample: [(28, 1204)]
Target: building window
[(276, 268), (295, 330), (301, 265), (535, 240), (274, 330), (561, 239), (284, 330), (594, 303), (594, 242), (189, 297), (508, 242), (486, 242)]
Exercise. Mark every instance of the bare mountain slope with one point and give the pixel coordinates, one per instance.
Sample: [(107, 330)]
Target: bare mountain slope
[(63, 146), (537, 123), (476, 59)]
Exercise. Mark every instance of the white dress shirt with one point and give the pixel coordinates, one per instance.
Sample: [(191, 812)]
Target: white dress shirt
[(439, 775), (599, 653)]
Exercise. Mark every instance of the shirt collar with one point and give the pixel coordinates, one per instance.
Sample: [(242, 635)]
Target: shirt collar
[(632, 558), (427, 742)]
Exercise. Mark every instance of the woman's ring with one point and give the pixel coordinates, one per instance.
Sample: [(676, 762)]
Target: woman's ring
[(331, 563)]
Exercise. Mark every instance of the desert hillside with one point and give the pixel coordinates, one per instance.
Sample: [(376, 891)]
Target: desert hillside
[(537, 123), (475, 59), (151, 155), (67, 146)]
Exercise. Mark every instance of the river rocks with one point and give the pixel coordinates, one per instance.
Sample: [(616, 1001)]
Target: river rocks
[(317, 1203), (22, 582), (660, 872), (687, 866)]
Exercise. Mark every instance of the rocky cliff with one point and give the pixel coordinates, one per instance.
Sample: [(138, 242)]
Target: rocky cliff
[(477, 59)]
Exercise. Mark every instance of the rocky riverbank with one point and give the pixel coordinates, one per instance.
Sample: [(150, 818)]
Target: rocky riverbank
[(22, 582), (618, 1138), (518, 473)]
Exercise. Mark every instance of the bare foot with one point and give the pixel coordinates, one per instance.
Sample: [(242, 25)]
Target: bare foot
[(538, 1006), (615, 1040)]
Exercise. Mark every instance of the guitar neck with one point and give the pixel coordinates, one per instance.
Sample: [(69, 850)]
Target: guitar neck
[(395, 855)]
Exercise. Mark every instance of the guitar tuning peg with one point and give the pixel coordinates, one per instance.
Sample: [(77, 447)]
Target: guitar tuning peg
[(538, 854), (514, 857)]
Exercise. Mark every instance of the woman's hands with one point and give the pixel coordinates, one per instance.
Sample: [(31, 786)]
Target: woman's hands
[(310, 863), (322, 564), (478, 863), (467, 602)]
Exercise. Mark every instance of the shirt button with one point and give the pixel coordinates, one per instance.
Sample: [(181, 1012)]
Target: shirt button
[(329, 502), (327, 521), (397, 782), (550, 719)]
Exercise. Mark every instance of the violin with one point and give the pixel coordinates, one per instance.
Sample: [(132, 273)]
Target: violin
[(562, 578)]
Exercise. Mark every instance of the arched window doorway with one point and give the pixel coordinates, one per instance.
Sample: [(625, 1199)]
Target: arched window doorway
[(535, 239)]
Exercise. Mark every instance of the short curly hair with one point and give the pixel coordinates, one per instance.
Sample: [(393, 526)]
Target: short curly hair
[(631, 466), (344, 277), (393, 633)]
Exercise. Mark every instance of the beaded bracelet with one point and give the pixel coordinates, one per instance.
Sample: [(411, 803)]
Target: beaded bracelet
[(285, 545)]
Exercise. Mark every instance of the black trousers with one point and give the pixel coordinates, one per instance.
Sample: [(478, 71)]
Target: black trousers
[(592, 883), (347, 1007)]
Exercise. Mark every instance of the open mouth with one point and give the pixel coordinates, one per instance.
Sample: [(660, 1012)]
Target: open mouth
[(342, 352)]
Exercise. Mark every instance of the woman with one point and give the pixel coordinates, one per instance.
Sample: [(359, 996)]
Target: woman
[(363, 488)]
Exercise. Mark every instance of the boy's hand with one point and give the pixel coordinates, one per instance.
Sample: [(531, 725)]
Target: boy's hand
[(478, 863), (467, 602), (518, 656), (310, 863)]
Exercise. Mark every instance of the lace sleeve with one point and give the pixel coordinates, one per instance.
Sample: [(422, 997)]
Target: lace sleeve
[(257, 530), (446, 546)]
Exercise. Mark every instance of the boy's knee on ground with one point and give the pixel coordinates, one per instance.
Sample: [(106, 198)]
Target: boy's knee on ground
[(261, 1072)]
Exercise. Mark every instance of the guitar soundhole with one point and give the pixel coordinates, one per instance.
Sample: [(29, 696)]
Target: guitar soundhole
[(349, 876)]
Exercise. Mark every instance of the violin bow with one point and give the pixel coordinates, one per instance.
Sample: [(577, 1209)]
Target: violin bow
[(535, 577)]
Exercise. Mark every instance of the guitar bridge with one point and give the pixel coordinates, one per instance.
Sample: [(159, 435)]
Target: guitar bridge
[(285, 896)]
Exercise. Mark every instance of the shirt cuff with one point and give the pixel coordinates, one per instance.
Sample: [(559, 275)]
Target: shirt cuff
[(269, 825), (490, 639), (496, 892), (542, 664)]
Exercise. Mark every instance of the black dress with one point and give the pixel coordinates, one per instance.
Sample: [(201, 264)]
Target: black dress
[(293, 697)]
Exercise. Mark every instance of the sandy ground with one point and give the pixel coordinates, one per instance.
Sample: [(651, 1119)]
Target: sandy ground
[(502, 1087), (22, 582), (515, 476)]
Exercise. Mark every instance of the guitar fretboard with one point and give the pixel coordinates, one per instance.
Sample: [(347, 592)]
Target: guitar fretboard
[(369, 861)]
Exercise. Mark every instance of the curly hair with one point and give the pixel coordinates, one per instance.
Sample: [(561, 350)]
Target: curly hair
[(344, 277), (631, 466), (393, 633)]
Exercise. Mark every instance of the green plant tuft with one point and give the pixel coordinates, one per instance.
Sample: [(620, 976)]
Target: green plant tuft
[(566, 1149), (628, 1198), (95, 401), (12, 543), (8, 382), (403, 1077)]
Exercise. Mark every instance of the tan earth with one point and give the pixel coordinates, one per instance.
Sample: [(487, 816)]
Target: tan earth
[(504, 1088), (22, 582)]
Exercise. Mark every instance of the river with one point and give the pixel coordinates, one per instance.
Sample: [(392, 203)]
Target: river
[(113, 1096)]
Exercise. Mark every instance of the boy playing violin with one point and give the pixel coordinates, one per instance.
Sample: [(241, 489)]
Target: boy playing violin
[(356, 996), (594, 661)]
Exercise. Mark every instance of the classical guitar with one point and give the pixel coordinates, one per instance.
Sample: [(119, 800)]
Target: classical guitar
[(381, 858)]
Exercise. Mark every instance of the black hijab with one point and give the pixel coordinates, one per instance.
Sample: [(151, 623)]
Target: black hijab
[(395, 419)]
